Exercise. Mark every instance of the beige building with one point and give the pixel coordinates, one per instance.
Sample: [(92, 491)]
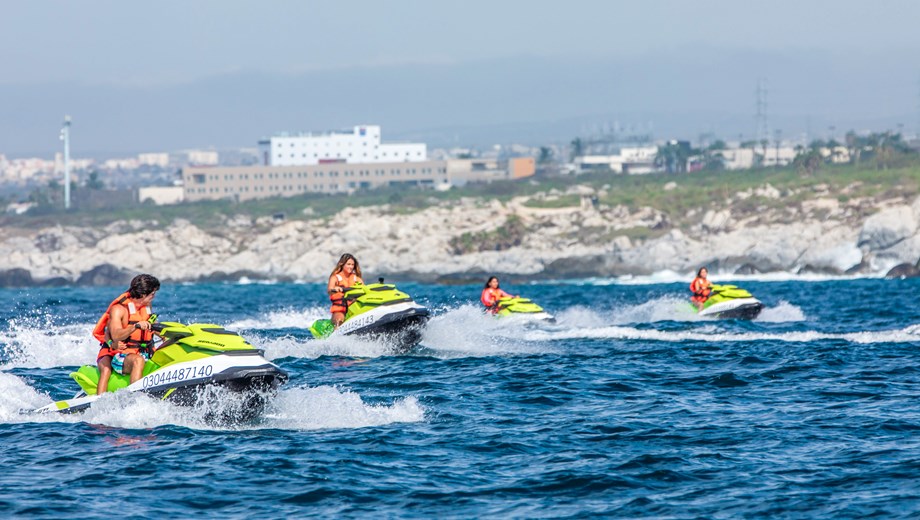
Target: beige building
[(258, 182)]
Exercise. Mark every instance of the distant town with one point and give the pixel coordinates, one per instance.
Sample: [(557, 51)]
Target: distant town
[(358, 158)]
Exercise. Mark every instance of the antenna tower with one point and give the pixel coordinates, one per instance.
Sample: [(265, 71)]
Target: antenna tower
[(763, 128), (65, 136)]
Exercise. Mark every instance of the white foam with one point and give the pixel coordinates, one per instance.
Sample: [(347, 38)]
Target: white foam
[(330, 407), (31, 344), (292, 409), (289, 317), (782, 312), (16, 395), (350, 346), (667, 276), (467, 331), (907, 334)]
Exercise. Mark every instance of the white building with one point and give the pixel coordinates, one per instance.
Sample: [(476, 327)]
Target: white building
[(153, 159), (360, 146), (628, 159), (161, 195)]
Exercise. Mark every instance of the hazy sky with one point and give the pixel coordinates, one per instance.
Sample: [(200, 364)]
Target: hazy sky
[(677, 65)]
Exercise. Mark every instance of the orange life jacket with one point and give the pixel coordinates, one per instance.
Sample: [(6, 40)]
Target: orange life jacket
[(491, 296), (338, 298), (139, 339), (700, 287)]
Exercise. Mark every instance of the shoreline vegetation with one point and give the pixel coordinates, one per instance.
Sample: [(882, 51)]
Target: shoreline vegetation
[(833, 219), (673, 194)]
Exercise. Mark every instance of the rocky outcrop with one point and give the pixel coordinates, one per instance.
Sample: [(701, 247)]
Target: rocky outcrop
[(903, 271), (106, 274), (467, 239)]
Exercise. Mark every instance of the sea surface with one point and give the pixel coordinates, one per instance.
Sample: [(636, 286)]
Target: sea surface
[(628, 406)]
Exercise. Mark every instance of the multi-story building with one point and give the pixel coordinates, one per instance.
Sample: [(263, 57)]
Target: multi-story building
[(257, 182), (361, 145)]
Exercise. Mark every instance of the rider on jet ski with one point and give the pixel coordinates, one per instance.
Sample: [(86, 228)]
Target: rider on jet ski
[(701, 288), (124, 331), (492, 293), (347, 272)]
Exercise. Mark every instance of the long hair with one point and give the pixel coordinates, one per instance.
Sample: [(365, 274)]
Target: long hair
[(699, 271), (143, 285), (341, 264), (490, 281)]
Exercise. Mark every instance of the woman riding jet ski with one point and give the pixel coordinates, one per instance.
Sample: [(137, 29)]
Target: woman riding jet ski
[(376, 310), (500, 303), (722, 301), (379, 311), (191, 358)]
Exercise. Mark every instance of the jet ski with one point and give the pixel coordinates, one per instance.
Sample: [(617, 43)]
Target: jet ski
[(379, 311), (189, 360), (729, 301), (522, 307)]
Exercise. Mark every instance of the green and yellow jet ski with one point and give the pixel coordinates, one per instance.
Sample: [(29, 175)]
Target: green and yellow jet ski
[(379, 311), (729, 301), (190, 358), (523, 307)]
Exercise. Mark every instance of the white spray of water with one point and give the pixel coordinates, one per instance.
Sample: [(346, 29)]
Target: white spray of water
[(290, 409), (290, 317), (467, 331), (668, 276), (31, 344), (907, 334), (783, 312), (349, 346)]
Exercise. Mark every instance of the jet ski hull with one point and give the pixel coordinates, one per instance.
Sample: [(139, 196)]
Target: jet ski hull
[(399, 325), (244, 373), (741, 308)]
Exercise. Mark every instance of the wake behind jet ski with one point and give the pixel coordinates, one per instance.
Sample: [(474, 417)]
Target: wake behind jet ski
[(191, 359), (379, 311), (729, 301)]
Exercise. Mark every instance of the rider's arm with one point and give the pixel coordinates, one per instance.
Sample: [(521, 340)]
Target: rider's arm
[(119, 328), (331, 287)]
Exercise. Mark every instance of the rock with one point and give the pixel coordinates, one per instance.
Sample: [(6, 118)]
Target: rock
[(105, 275), (16, 277), (715, 221), (888, 227), (819, 269), (863, 266), (903, 271), (747, 269)]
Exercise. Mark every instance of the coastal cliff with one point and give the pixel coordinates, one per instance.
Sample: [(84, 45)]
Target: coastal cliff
[(570, 233)]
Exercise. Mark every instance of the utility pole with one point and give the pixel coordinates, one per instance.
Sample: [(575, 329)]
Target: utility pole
[(65, 136), (763, 128)]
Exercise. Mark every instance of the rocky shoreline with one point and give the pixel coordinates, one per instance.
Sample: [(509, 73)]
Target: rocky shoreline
[(463, 241)]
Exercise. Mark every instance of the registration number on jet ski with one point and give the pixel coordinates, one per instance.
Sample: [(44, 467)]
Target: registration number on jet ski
[(179, 374), (357, 323)]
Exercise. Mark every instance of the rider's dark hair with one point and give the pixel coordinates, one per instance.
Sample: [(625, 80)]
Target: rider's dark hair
[(143, 285), (700, 271), (490, 281)]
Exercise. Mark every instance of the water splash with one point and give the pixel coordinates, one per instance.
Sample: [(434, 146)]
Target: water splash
[(907, 334), (41, 343), (287, 318), (467, 331), (783, 312)]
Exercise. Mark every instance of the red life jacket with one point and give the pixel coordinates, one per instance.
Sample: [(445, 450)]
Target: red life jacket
[(700, 287), (491, 296), (338, 298), (137, 340)]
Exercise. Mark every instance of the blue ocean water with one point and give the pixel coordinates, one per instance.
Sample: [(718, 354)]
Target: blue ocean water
[(628, 406)]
